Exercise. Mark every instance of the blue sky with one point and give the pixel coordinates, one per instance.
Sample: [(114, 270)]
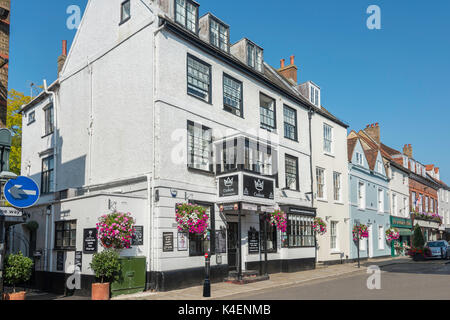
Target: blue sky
[(397, 76)]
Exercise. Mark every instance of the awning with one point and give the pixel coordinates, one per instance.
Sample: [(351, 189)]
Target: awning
[(405, 232)]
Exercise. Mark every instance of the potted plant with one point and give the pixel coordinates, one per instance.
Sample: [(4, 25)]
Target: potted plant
[(106, 266), (17, 270), (191, 218), (418, 250)]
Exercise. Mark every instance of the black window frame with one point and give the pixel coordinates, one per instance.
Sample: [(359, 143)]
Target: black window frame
[(264, 126), (286, 107), (271, 230), (63, 231), (229, 108), (190, 165), (211, 18), (49, 124), (31, 117), (209, 100), (185, 16), (287, 235), (212, 232), (297, 184), (256, 48), (122, 6), (45, 176)]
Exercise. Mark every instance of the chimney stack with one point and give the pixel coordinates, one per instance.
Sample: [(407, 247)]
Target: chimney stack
[(407, 150), (62, 58), (373, 131), (289, 72)]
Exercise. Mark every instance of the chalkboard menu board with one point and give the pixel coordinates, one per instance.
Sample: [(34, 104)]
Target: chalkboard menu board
[(221, 241), (60, 261), (138, 238), (253, 242), (90, 241), (79, 260), (167, 242)]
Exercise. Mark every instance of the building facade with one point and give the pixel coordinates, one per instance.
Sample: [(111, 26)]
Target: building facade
[(369, 200), (443, 199), (154, 107)]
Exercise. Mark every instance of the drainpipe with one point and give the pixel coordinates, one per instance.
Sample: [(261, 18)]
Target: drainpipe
[(310, 114), (149, 224), (55, 163)]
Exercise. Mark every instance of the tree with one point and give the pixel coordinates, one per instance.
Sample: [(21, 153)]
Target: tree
[(418, 240), (14, 122)]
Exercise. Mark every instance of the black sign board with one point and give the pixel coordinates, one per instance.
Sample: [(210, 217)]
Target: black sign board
[(167, 241), (258, 188), (138, 238), (79, 260), (229, 186), (221, 241), (90, 241), (60, 261), (253, 242)]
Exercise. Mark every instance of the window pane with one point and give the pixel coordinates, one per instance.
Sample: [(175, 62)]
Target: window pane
[(291, 172), (191, 23), (198, 78), (232, 94), (126, 13), (181, 12), (199, 147), (267, 112), (290, 123)]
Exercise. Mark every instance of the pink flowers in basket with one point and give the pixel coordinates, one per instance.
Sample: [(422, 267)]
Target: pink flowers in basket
[(191, 218), (319, 226), (278, 219), (116, 230), (360, 231), (392, 234)]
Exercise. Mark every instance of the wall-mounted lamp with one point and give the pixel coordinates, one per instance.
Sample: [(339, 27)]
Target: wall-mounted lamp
[(173, 193)]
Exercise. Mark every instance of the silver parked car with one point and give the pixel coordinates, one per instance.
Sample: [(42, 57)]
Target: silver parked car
[(439, 248)]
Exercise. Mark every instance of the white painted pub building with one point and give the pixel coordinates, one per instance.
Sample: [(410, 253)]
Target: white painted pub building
[(154, 107)]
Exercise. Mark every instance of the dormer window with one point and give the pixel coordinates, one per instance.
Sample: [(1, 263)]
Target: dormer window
[(219, 35), (359, 158), (405, 161), (186, 14), (379, 167), (254, 57), (315, 96)]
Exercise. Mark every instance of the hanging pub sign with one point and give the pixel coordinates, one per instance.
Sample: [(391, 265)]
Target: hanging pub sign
[(90, 241), (138, 238), (167, 242), (253, 241), (79, 260), (258, 188), (229, 186)]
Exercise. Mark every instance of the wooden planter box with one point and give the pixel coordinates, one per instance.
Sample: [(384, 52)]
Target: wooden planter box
[(14, 296)]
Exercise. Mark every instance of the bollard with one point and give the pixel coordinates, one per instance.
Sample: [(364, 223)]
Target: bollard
[(207, 283)]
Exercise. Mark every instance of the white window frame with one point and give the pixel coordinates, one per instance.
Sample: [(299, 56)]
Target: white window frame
[(359, 158), (337, 187), (381, 240), (380, 200), (394, 205), (334, 235), (327, 138), (361, 195), (323, 184)]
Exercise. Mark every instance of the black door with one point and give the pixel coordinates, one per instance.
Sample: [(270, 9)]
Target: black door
[(232, 240)]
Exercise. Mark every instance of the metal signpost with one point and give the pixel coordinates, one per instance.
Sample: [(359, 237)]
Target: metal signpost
[(207, 283), (357, 224)]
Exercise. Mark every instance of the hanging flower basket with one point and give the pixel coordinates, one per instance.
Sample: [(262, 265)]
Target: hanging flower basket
[(360, 232), (392, 234), (116, 230), (191, 218), (319, 226), (278, 219)]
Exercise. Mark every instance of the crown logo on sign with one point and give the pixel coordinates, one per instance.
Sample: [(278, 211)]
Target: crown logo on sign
[(259, 185), (228, 182)]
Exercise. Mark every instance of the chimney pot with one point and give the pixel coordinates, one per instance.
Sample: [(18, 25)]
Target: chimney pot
[(282, 63), (292, 60), (64, 47)]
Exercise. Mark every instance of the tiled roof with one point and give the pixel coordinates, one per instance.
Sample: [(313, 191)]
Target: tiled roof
[(351, 143)]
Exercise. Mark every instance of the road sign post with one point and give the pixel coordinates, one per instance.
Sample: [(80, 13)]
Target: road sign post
[(21, 192)]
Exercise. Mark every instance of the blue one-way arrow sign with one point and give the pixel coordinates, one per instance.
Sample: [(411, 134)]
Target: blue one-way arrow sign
[(21, 192)]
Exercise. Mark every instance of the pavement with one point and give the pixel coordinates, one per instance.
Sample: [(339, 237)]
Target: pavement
[(277, 281)]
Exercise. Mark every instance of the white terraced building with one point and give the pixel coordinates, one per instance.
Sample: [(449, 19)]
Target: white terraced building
[(153, 107)]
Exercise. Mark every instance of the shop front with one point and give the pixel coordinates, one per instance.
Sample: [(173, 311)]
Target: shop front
[(254, 245), (404, 226)]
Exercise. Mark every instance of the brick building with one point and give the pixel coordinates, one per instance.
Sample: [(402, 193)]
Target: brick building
[(5, 6)]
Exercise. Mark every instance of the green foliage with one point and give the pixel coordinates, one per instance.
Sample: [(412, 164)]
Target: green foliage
[(418, 240), (106, 265), (32, 225), (14, 122), (17, 269)]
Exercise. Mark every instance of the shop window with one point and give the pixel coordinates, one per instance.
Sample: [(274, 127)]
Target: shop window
[(199, 244), (299, 231), (65, 235), (271, 236)]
